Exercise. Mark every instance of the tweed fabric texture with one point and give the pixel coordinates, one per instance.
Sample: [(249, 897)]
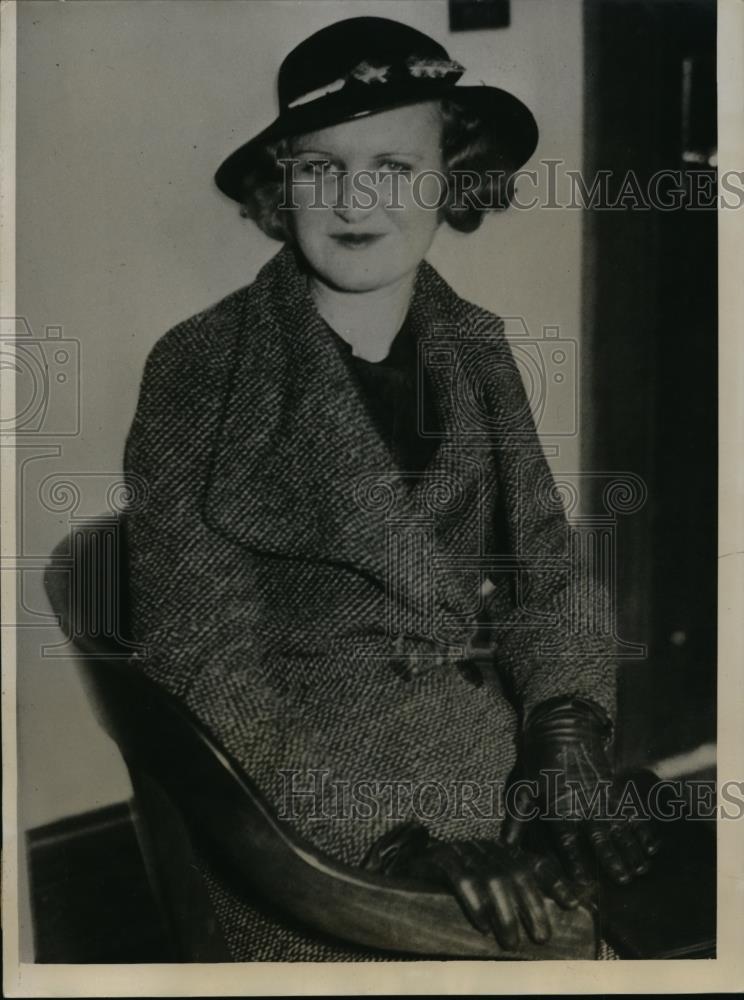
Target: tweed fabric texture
[(254, 932), (312, 602)]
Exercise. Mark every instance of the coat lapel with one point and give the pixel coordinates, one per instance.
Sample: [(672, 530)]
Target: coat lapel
[(294, 437), (299, 468)]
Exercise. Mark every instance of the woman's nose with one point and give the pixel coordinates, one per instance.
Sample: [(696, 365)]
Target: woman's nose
[(351, 203)]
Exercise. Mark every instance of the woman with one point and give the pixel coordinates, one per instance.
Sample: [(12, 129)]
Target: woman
[(348, 499)]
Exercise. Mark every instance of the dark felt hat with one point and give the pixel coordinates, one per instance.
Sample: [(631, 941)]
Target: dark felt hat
[(366, 64)]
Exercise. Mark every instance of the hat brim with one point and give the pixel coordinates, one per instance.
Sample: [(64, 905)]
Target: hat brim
[(499, 107)]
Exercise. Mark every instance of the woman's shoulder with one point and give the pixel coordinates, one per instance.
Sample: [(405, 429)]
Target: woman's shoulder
[(472, 319), (212, 334), (208, 334)]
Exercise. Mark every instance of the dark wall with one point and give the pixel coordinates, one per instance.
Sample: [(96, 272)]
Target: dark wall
[(651, 324)]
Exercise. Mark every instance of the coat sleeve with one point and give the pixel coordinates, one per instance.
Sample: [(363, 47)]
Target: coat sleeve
[(176, 595), (551, 618)]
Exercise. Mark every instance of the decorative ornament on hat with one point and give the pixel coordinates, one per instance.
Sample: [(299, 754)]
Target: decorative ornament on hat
[(365, 72), (434, 69), (313, 95)]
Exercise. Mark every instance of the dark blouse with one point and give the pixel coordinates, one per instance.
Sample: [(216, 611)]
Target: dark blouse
[(391, 391)]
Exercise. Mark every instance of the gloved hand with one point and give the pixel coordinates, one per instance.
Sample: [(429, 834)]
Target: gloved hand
[(497, 886), (564, 757)]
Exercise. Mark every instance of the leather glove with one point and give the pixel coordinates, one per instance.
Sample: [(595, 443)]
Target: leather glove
[(497, 886), (564, 758)]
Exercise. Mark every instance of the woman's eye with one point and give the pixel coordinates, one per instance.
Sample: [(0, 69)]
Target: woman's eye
[(314, 166), (396, 166)]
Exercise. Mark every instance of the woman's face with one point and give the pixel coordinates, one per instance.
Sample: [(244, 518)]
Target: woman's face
[(360, 194)]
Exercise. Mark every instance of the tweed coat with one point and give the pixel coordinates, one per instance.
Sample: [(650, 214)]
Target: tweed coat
[(313, 604)]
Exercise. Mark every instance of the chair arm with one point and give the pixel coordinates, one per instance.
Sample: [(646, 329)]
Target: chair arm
[(158, 735)]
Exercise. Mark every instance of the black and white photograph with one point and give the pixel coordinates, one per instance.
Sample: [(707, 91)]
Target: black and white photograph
[(368, 499)]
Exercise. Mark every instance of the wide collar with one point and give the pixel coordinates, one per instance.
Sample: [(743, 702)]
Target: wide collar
[(299, 468)]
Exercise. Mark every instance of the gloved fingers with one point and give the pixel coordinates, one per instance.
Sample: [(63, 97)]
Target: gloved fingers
[(498, 889), (600, 836), (629, 848), (512, 878), (516, 818), (501, 867), (646, 835), (512, 896), (512, 831), (501, 909), (504, 912), (469, 894), (531, 906), (568, 849), (462, 875), (550, 879)]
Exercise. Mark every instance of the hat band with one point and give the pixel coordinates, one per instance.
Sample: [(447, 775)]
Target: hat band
[(416, 68)]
